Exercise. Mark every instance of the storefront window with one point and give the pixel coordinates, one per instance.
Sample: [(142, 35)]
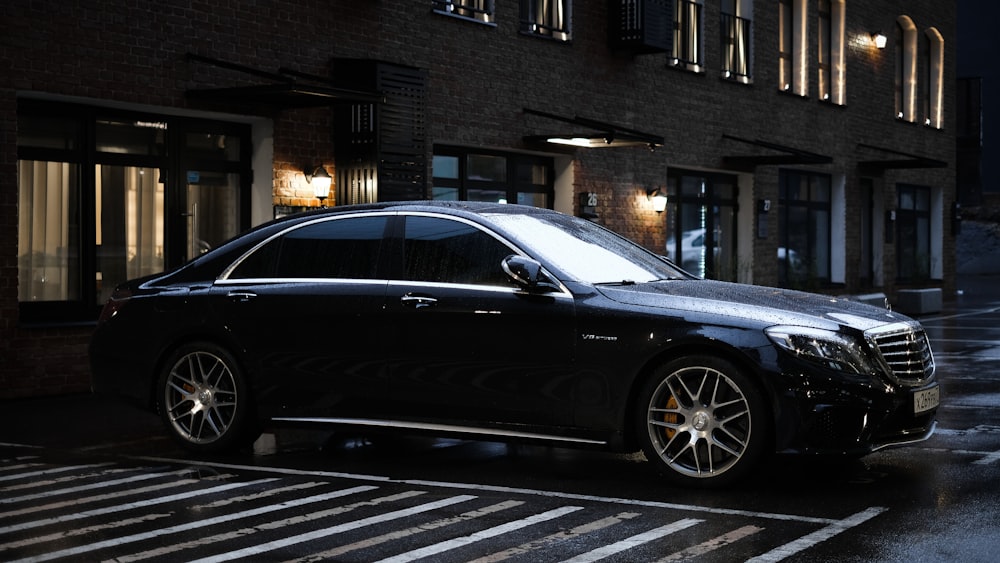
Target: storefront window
[(102, 199), (500, 177)]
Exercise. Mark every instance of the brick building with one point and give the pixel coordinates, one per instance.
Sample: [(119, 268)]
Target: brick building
[(791, 148)]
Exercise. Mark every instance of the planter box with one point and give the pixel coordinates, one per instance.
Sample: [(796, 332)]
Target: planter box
[(918, 301)]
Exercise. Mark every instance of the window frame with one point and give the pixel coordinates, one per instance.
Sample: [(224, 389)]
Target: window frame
[(540, 18), (934, 78), (812, 206), (477, 11), (688, 49), (86, 154), (736, 37), (511, 186), (910, 267)]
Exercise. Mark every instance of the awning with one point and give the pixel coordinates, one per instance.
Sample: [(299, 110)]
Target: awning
[(907, 160), (786, 155), (593, 134), (282, 92)]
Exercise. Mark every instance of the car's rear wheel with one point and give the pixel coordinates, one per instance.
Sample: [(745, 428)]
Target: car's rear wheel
[(204, 399), (702, 422)]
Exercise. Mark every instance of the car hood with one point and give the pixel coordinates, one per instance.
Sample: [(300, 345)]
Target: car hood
[(766, 306)]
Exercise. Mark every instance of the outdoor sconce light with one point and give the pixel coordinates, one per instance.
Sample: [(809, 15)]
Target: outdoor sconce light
[(320, 180), (879, 39), (658, 198)]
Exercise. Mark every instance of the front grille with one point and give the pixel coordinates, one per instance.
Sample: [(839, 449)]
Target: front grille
[(905, 352)]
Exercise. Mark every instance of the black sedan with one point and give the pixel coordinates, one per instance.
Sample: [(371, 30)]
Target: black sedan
[(513, 323)]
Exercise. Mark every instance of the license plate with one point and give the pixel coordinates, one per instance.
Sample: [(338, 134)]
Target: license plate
[(926, 400)]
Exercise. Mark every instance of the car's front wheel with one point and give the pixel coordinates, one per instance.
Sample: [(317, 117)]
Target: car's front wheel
[(204, 399), (702, 422)]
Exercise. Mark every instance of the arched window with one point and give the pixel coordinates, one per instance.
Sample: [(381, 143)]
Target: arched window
[(934, 83), (906, 69)]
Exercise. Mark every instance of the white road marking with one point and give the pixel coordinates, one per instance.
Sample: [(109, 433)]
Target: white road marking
[(819, 536), (44, 472), (246, 532), (409, 532), (76, 503), (455, 543), (317, 534), (514, 491), (79, 550), (129, 506), (560, 536), (638, 539), (711, 545), (88, 487)]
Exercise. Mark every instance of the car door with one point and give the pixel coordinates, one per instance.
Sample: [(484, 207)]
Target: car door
[(306, 312), (465, 343)]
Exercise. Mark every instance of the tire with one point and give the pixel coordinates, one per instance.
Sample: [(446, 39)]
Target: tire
[(702, 422), (204, 399)]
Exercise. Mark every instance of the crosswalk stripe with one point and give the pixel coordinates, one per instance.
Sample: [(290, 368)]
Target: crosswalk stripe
[(711, 545), (399, 534), (481, 535), (378, 519), (74, 551), (561, 536), (44, 472), (246, 532), (87, 487), (77, 502), (638, 539), (130, 506)]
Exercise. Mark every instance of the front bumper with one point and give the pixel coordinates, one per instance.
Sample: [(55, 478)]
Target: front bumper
[(828, 415)]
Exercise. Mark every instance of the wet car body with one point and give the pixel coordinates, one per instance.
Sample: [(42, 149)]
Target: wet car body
[(524, 350)]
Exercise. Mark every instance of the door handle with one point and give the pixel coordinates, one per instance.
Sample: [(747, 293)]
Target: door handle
[(417, 301), (241, 296)]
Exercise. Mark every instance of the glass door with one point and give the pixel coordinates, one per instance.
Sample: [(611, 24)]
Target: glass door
[(212, 205), (701, 224)]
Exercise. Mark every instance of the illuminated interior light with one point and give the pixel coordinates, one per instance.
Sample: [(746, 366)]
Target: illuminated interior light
[(575, 141)]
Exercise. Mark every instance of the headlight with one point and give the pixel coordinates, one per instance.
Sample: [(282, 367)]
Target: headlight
[(831, 349)]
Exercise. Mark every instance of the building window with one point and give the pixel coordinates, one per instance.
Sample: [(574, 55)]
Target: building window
[(737, 39), (547, 18), (792, 48), (462, 174), (804, 229), (830, 32), (101, 200), (477, 10), (934, 83), (906, 69), (687, 49), (702, 223), (913, 224)]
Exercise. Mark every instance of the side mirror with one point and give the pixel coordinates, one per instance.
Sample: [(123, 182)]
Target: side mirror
[(527, 273)]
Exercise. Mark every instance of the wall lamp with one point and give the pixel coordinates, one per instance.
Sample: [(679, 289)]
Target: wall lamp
[(879, 39), (658, 198), (320, 181)]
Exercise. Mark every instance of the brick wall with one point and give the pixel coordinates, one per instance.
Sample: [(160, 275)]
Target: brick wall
[(479, 79)]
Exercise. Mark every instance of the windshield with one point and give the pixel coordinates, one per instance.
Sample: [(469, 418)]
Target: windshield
[(585, 251)]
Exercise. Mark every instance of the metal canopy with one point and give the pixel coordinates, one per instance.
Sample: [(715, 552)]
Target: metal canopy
[(788, 155), (593, 134), (907, 161), (283, 92)]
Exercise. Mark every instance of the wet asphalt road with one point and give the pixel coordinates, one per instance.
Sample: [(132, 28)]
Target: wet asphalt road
[(374, 497)]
